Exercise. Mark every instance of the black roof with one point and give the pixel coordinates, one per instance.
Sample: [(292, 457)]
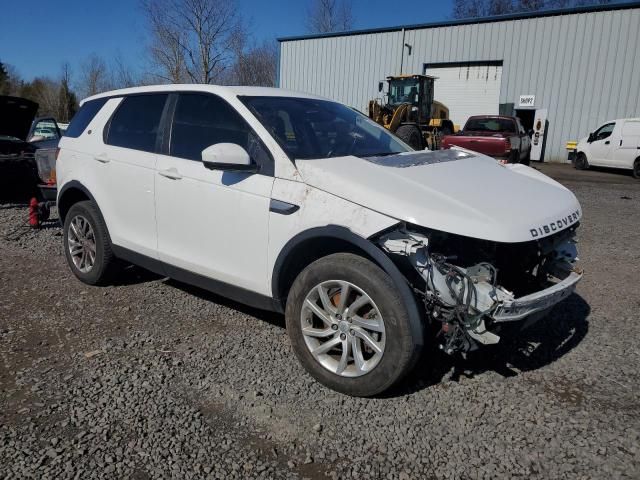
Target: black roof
[(470, 21)]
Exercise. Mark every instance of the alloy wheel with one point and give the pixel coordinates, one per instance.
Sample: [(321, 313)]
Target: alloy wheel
[(82, 243), (343, 328)]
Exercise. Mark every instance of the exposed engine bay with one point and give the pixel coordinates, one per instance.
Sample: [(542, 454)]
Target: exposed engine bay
[(470, 287)]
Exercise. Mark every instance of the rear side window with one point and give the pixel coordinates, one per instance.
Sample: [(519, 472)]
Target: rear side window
[(202, 120), (136, 122), (83, 117)]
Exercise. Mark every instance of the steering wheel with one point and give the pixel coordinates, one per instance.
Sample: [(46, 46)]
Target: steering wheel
[(346, 148)]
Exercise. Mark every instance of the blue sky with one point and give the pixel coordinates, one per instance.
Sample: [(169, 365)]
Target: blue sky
[(36, 38)]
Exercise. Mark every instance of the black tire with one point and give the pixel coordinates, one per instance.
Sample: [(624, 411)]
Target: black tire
[(581, 162), (401, 349), (411, 135), (515, 156), (104, 265), (527, 159), (636, 169)]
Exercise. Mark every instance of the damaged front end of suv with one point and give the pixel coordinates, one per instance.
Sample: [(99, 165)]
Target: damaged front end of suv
[(482, 245), (470, 287)]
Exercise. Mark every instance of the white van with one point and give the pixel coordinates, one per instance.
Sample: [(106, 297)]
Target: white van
[(615, 144)]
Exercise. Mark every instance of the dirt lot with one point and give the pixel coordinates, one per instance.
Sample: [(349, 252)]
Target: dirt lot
[(151, 378)]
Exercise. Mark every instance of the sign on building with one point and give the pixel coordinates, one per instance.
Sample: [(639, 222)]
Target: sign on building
[(527, 101)]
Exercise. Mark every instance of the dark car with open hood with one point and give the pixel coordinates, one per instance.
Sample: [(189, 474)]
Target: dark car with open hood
[(21, 134)]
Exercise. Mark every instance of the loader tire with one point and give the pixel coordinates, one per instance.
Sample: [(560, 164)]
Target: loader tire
[(411, 135)]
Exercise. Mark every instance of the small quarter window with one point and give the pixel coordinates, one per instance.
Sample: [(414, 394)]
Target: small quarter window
[(83, 117), (136, 122)]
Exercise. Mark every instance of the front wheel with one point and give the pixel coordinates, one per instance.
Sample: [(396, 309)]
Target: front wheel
[(636, 168), (349, 327), (581, 162)]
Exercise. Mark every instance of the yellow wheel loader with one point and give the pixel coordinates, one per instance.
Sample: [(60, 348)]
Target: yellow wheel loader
[(411, 113)]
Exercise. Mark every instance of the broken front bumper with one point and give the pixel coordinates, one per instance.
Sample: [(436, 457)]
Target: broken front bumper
[(520, 308)]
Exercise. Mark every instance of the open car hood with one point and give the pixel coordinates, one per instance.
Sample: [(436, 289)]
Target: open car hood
[(16, 116), (454, 191)]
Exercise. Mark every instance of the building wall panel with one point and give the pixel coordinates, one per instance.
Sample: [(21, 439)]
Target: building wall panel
[(583, 67)]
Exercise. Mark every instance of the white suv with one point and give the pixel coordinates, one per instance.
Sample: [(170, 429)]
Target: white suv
[(301, 205)]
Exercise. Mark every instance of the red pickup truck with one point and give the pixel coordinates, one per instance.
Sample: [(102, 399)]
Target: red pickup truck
[(498, 136)]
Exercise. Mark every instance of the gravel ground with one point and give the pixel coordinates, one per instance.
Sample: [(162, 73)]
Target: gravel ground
[(151, 378)]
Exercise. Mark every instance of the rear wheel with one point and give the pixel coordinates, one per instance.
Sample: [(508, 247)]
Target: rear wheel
[(527, 159), (581, 162), (86, 244), (636, 168), (349, 326), (411, 135)]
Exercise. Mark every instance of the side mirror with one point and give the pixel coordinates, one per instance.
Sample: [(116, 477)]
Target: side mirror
[(380, 86), (227, 156), (590, 138)]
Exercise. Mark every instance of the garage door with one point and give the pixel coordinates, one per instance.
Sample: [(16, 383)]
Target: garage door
[(467, 89)]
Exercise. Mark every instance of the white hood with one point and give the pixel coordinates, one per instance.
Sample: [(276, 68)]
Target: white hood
[(450, 190)]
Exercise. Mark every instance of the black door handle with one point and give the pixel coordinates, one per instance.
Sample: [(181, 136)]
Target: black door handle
[(607, 142)]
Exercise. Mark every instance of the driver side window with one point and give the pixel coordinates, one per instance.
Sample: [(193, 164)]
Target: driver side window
[(604, 131), (201, 120)]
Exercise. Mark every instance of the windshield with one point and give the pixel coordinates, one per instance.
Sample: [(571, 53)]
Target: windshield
[(403, 90), (309, 128), (484, 124)]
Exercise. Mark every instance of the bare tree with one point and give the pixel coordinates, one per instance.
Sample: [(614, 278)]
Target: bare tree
[(325, 16), (94, 77), (67, 100), (45, 92), (469, 8), (530, 5), (190, 39), (122, 75), (574, 3), (255, 66), (10, 80), (502, 7), (166, 46), (483, 8)]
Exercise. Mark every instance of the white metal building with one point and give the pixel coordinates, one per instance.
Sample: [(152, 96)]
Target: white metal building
[(580, 65)]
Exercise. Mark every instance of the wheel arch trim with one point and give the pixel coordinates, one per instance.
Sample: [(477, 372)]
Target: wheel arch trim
[(72, 185), (76, 185), (379, 257)]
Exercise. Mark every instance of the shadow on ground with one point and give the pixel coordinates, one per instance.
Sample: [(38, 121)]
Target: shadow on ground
[(18, 182), (539, 345), (274, 318)]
